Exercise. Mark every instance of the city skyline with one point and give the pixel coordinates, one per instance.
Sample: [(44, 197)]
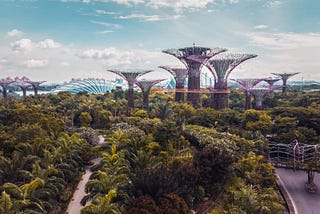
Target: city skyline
[(63, 39)]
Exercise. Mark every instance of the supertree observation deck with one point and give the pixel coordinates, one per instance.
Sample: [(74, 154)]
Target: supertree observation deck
[(21, 83), (35, 85), (4, 83), (221, 67), (194, 67), (285, 77), (180, 75), (271, 81), (260, 93), (131, 78), (145, 86), (246, 85)]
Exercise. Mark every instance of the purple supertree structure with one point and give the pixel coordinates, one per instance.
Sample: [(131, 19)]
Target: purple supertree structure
[(180, 75), (285, 76), (35, 85), (260, 93), (194, 67), (246, 85), (22, 84), (271, 81), (4, 83), (146, 86), (221, 67), (131, 78)]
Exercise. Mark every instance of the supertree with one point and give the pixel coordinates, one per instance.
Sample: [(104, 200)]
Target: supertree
[(35, 85), (194, 67), (146, 86), (22, 84), (271, 81), (180, 75), (221, 67), (246, 85), (285, 77), (260, 93), (4, 83), (131, 78)]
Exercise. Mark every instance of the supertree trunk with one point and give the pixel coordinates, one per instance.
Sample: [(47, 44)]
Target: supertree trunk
[(194, 85), (4, 92), (145, 105), (179, 96), (130, 95), (248, 97)]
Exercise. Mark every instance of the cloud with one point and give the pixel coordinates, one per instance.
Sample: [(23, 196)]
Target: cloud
[(261, 27), (35, 63), (105, 12), (22, 45), (105, 32), (273, 3), (112, 55), (149, 18), (14, 33), (106, 24), (280, 41), (48, 43)]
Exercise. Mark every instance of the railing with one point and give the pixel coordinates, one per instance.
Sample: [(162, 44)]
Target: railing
[(294, 155)]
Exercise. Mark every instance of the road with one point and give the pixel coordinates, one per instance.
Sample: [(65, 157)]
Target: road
[(294, 182)]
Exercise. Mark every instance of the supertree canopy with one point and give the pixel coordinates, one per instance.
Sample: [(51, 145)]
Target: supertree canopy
[(221, 67), (146, 86), (285, 77), (35, 85), (4, 83), (180, 75), (260, 93), (193, 66), (131, 78), (22, 84), (271, 81), (246, 85)]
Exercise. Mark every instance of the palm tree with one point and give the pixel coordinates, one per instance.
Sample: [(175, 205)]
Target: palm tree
[(103, 205), (6, 205)]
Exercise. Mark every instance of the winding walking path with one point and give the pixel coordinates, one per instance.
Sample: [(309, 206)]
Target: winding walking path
[(74, 206), (294, 183)]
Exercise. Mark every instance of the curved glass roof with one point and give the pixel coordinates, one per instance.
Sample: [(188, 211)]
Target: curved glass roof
[(91, 86)]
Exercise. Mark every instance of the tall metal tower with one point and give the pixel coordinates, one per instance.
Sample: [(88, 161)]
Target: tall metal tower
[(221, 67), (260, 93), (194, 67), (22, 84), (131, 78), (4, 83), (285, 77), (246, 85), (180, 75), (146, 86), (35, 85)]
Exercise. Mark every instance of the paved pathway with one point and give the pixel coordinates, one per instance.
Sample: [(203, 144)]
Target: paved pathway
[(294, 182), (74, 206)]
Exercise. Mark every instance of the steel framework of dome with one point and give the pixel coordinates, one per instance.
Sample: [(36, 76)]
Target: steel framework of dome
[(90, 85), (194, 67)]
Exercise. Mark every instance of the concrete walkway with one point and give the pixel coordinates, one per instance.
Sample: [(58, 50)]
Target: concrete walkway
[(294, 183), (74, 206)]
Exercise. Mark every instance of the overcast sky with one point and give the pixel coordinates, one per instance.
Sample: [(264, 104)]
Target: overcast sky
[(56, 40)]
